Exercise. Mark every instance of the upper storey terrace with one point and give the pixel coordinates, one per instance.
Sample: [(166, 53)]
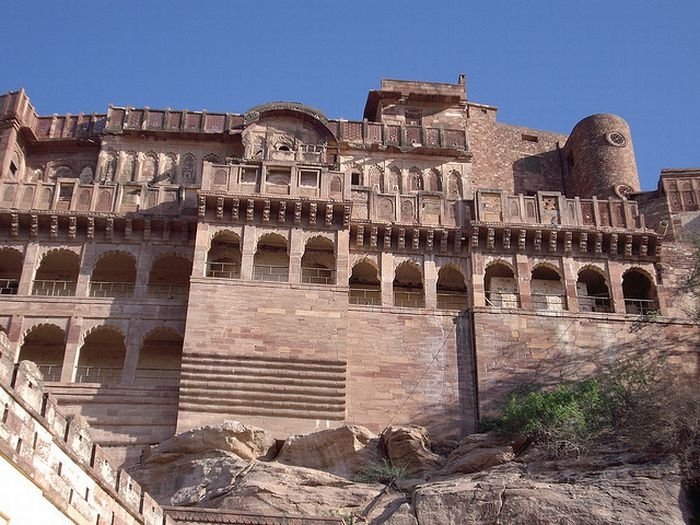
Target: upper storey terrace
[(422, 155)]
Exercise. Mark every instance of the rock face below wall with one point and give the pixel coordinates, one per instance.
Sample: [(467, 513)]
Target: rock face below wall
[(612, 487)]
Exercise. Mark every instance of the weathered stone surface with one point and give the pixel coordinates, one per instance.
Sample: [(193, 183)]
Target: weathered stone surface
[(244, 441), (478, 452), (344, 451), (625, 494), (409, 448)]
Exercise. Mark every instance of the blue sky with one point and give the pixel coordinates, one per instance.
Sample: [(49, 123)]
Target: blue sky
[(546, 65)]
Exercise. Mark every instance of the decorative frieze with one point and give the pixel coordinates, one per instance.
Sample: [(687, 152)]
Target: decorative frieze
[(490, 238), (219, 208), (73, 227), (538, 240), (373, 234), (313, 212), (360, 237), (266, 211), (53, 228), (387, 237), (506, 239)]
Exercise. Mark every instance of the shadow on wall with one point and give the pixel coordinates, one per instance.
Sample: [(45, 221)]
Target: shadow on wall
[(541, 172)]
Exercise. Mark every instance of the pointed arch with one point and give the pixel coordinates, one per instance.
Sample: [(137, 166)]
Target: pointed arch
[(101, 357), (451, 288), (224, 255), (57, 274), (592, 289), (318, 261), (639, 291), (45, 345), (547, 288), (169, 277), (408, 285), (11, 261), (365, 283), (271, 260), (500, 287), (113, 274), (160, 357)]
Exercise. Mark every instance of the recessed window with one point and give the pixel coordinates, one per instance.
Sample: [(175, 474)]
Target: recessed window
[(13, 169), (284, 147), (414, 117), (529, 138), (249, 175), (66, 192), (279, 176), (356, 178), (308, 178)]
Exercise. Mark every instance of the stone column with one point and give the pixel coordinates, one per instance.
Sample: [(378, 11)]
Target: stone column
[(522, 277), (477, 280), (72, 354), (570, 278), (615, 270), (387, 278), (248, 247), (87, 262), (430, 281), (143, 270), (296, 250), (201, 248), (342, 259), (132, 342), (30, 263), (14, 334)]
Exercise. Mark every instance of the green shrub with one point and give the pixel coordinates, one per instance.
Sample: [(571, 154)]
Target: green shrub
[(381, 472)]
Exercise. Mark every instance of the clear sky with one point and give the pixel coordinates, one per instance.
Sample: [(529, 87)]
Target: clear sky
[(545, 64)]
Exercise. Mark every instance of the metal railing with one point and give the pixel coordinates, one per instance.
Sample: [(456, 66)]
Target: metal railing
[(548, 301), (168, 291), (641, 306), (51, 371), (451, 300), (317, 276), (594, 303), (107, 375), (503, 299), (157, 376), (263, 272), (365, 296), (111, 289), (409, 298), (9, 286), (224, 270), (54, 288)]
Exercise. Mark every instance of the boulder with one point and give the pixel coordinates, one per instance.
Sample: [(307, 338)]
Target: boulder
[(343, 451), (409, 448), (244, 441), (478, 452)]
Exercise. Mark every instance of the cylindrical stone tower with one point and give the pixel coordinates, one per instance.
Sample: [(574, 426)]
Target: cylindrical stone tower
[(599, 159)]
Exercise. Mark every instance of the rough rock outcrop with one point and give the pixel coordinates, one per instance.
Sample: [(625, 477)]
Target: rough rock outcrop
[(245, 441), (478, 452), (344, 451), (409, 448)]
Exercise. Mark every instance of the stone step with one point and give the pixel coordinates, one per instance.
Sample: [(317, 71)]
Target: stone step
[(267, 359), (237, 362), (229, 407), (311, 382), (260, 372), (263, 396), (203, 383)]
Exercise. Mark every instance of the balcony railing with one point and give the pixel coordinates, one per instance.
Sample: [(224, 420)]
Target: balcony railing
[(111, 289), (223, 270), (263, 272), (409, 298), (157, 376), (548, 301), (54, 288), (51, 371), (8, 286), (317, 276), (107, 375), (365, 296), (594, 303), (641, 306), (503, 299), (451, 300), (168, 291)]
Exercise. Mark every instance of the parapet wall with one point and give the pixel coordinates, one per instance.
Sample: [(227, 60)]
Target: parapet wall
[(58, 455)]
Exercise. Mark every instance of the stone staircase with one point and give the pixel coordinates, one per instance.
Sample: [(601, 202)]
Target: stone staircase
[(263, 386)]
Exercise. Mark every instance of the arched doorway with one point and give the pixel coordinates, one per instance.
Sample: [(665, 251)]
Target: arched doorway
[(45, 345), (408, 286), (546, 289), (365, 286), (639, 292), (318, 262), (169, 277), (160, 358), (224, 256), (271, 262), (101, 358), (592, 291), (114, 275), (500, 287), (10, 270), (451, 289), (57, 274)]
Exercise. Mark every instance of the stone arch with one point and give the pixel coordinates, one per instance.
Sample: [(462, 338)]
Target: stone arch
[(87, 174), (271, 260), (101, 356), (160, 357), (109, 166), (365, 283), (318, 261), (356, 175), (336, 187), (386, 209), (547, 287), (169, 276), (113, 274), (500, 286), (592, 289), (45, 345), (127, 171), (408, 285), (11, 261), (415, 179), (392, 180), (57, 274), (189, 168), (224, 255), (639, 291), (167, 169), (374, 177), (451, 288), (213, 158), (62, 171), (433, 180), (149, 167), (454, 185)]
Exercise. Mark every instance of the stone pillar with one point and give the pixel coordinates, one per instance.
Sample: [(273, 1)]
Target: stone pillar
[(522, 277), (615, 271), (29, 265), (87, 263), (387, 278), (477, 280), (14, 334), (72, 353), (201, 248), (143, 270), (569, 279), (430, 282), (248, 247), (296, 250), (342, 259), (132, 342)]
